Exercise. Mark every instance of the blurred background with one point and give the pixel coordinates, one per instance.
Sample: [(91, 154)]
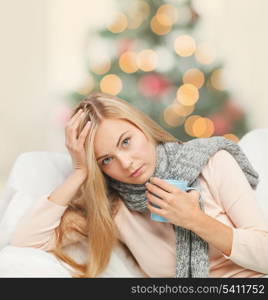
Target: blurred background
[(196, 67)]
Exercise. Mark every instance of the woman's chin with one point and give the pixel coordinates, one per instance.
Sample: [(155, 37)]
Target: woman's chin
[(142, 178)]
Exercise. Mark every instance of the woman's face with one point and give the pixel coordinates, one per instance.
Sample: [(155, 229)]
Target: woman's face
[(121, 148)]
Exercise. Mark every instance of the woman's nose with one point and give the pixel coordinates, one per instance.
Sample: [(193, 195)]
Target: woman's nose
[(126, 161)]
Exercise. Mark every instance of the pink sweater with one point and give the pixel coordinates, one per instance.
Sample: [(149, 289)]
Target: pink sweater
[(229, 198)]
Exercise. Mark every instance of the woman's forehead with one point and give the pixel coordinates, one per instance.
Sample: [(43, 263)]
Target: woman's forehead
[(113, 126), (109, 132)]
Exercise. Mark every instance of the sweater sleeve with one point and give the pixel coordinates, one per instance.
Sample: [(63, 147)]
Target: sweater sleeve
[(238, 199), (37, 227)]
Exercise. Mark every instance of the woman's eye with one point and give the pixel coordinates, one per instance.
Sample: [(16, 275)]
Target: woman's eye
[(125, 140), (103, 161)]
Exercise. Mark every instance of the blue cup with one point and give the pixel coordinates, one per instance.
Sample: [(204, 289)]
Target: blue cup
[(182, 185)]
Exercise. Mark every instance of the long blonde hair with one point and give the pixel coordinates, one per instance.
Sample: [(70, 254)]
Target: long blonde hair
[(90, 214)]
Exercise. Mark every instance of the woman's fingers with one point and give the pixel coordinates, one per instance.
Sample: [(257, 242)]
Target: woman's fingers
[(161, 203), (156, 190), (70, 123), (84, 133), (75, 143), (75, 117), (70, 130), (77, 121)]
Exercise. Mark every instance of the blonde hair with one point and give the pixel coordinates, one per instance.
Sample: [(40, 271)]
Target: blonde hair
[(90, 214)]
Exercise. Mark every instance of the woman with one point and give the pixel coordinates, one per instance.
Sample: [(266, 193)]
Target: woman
[(120, 160)]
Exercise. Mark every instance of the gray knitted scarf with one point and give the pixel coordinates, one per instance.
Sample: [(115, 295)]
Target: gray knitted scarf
[(185, 161)]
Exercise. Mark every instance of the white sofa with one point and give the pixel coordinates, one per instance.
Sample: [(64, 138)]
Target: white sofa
[(37, 173)]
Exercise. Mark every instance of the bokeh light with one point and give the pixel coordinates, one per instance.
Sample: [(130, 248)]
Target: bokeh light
[(194, 76), (111, 84), (135, 20), (119, 23), (182, 110), (216, 80), (157, 27), (170, 11), (100, 68), (188, 125), (128, 62), (164, 20), (147, 60), (137, 12), (171, 118), (143, 7), (184, 45), (187, 94), (202, 128)]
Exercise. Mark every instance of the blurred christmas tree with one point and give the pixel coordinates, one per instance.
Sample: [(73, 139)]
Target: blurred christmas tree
[(149, 57)]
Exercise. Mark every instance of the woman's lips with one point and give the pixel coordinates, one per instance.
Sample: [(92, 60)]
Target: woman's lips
[(138, 172)]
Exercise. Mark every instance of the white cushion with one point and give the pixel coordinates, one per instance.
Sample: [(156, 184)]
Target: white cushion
[(29, 262), (33, 175), (255, 146), (32, 262)]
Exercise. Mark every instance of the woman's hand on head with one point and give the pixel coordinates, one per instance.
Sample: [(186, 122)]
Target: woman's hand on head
[(76, 144)]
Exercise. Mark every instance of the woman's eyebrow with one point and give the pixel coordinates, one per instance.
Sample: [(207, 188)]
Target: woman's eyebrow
[(116, 144)]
